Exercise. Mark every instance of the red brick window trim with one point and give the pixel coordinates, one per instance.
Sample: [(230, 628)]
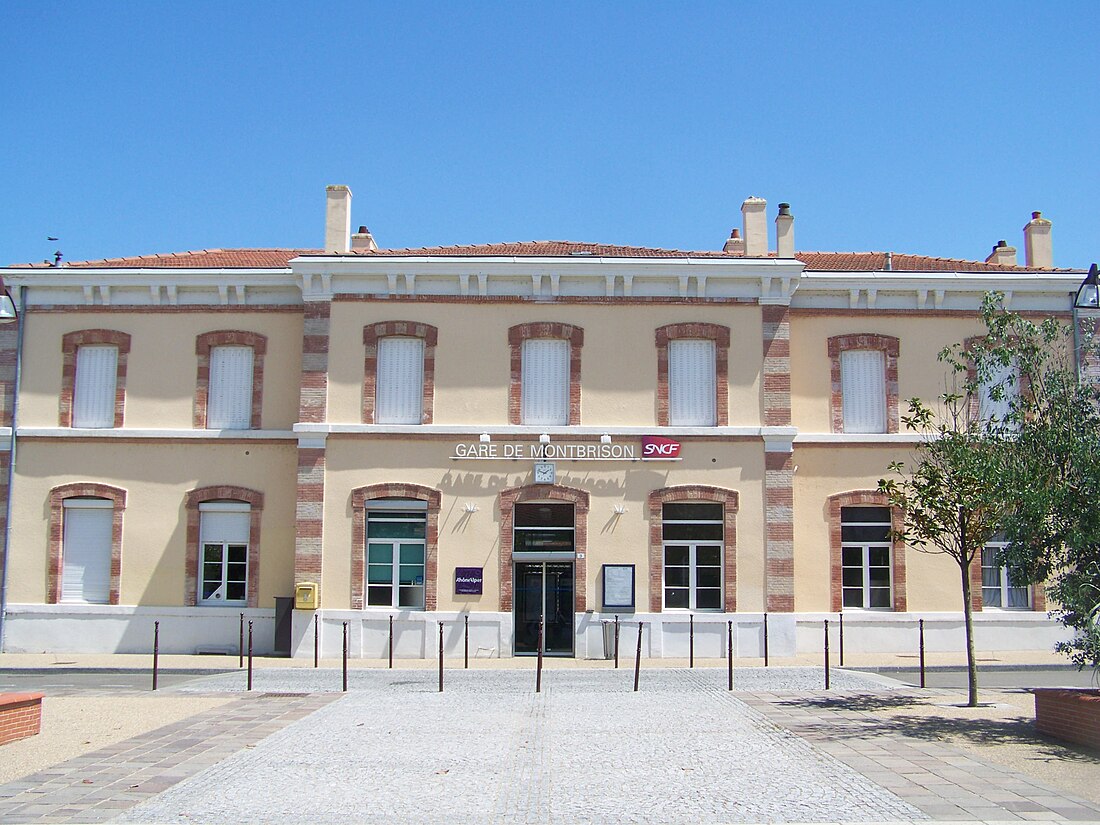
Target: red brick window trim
[(70, 343), (360, 500), (222, 492), (372, 333), (695, 330), (544, 492), (688, 494), (889, 347), (864, 498), (544, 329), (55, 562), (228, 338)]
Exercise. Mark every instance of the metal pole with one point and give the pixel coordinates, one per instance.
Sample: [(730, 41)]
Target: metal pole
[(841, 615), (316, 639), (921, 625), (466, 644), (729, 654), (345, 656), (441, 657), (250, 655), (691, 641), (391, 642), (156, 652), (240, 645), (826, 654), (616, 643), (21, 323), (765, 640), (638, 658), (538, 666)]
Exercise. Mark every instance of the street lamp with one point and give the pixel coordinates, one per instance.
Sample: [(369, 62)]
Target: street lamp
[(1087, 297), (9, 314)]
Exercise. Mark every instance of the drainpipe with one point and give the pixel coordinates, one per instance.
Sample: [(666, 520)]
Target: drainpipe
[(20, 326)]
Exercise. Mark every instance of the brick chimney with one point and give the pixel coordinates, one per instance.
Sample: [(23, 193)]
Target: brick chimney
[(755, 220), (1002, 255), (735, 245), (337, 219), (363, 241), (784, 232), (1038, 251)]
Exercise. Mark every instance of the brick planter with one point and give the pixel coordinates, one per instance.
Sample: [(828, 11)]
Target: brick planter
[(20, 716), (1069, 715)]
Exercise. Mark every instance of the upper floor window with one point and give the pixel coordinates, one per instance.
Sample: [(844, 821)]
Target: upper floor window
[(93, 378), (693, 375), (998, 392), (399, 372), (545, 385), (864, 383), (229, 386)]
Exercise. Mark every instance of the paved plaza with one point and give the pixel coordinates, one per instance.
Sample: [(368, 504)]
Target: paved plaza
[(587, 749)]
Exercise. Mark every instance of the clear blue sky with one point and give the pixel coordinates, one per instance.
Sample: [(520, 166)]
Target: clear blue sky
[(934, 128)]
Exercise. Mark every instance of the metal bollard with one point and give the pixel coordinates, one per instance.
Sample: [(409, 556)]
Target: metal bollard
[(538, 666), (441, 657), (391, 642), (729, 654), (638, 657), (316, 638), (826, 654), (691, 641), (616, 643), (240, 646), (156, 652), (841, 617), (921, 625), (250, 655), (466, 644), (345, 657), (765, 640)]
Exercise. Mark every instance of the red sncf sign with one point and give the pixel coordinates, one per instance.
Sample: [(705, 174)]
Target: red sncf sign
[(655, 446)]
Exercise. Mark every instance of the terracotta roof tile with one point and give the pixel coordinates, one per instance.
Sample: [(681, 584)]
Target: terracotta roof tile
[(200, 259)]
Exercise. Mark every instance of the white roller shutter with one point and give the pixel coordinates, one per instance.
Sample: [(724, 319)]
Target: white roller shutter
[(224, 522), (94, 387), (229, 402), (400, 382), (691, 383), (545, 399), (86, 551), (1007, 379), (863, 390)]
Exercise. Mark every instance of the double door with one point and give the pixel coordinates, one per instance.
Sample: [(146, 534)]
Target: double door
[(544, 593)]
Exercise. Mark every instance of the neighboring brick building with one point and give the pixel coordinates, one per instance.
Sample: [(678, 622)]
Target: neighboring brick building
[(575, 430)]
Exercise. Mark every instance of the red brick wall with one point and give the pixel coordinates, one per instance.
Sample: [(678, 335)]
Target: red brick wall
[(222, 492), (56, 534), (407, 329), (779, 531), (889, 346), (228, 338), (70, 343), (712, 332), (20, 716), (309, 515), (1070, 715), (544, 329), (897, 553), (777, 366)]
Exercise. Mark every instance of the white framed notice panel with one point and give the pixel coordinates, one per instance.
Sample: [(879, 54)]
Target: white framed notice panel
[(618, 587)]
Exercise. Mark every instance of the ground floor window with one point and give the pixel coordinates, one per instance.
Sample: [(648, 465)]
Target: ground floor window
[(224, 538), (865, 557), (692, 538), (544, 527), (86, 550), (997, 587), (396, 550)]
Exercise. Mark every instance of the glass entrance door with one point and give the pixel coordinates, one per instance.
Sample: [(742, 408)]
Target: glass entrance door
[(544, 589)]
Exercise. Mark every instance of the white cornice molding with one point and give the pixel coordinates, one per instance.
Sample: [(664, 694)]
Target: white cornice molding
[(141, 433)]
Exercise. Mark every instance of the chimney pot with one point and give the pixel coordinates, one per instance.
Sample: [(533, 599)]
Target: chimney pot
[(337, 219), (735, 245)]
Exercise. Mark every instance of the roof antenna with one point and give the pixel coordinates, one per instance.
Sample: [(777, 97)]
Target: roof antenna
[(56, 255)]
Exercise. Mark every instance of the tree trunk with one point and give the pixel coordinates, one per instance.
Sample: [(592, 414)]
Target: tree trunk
[(965, 560)]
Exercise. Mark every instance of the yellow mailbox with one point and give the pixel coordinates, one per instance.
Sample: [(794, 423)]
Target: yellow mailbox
[(306, 596)]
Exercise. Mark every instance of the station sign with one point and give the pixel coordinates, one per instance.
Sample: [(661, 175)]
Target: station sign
[(652, 448)]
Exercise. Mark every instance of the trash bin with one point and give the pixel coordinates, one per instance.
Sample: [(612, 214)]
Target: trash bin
[(608, 640)]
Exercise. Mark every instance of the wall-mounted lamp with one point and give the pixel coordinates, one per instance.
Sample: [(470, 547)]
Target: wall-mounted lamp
[(544, 438), (471, 507), (605, 438), (486, 438), (620, 509)]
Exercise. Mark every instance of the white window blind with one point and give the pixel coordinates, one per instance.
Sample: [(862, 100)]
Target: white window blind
[(400, 381), (86, 550), (545, 397), (94, 386), (863, 390), (224, 522), (691, 383), (1007, 380), (229, 400)]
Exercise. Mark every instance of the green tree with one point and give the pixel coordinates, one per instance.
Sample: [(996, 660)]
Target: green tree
[(948, 505)]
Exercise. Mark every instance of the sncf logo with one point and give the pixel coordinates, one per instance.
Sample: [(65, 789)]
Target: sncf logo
[(654, 446)]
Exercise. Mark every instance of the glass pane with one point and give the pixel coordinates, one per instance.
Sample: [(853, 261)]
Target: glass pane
[(380, 554), (1017, 597), (880, 597), (852, 576), (853, 597), (879, 556), (691, 532), (208, 588), (710, 555), (875, 515), (991, 596), (852, 556), (236, 572), (531, 540), (235, 591), (991, 577), (212, 553), (677, 554), (380, 573), (708, 577), (380, 596), (879, 577), (212, 572), (410, 597), (412, 553), (543, 515), (238, 553), (708, 599), (692, 512), (872, 532), (412, 574), (676, 577), (396, 529), (676, 597)]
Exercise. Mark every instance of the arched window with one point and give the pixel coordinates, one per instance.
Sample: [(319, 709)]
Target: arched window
[(85, 543), (223, 546)]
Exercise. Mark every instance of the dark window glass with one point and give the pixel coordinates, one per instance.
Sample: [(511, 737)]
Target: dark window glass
[(708, 577), (676, 597), (879, 556), (853, 597), (708, 555), (671, 531), (676, 576), (852, 556), (677, 555), (542, 541), (852, 577), (692, 512), (880, 597), (543, 515), (708, 599), (382, 529), (868, 533), (874, 515)]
